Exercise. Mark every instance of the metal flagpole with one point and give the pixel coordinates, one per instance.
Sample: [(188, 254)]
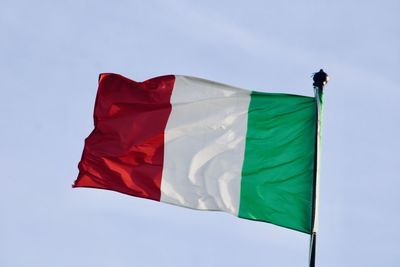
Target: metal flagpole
[(320, 80)]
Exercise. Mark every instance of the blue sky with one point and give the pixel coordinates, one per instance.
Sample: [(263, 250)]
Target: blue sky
[(51, 53)]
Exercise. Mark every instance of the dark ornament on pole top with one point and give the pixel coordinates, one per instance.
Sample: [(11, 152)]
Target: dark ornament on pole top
[(320, 79)]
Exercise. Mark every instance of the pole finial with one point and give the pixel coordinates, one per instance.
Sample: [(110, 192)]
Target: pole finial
[(320, 78)]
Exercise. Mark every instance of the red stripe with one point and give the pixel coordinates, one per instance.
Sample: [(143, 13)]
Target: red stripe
[(125, 151)]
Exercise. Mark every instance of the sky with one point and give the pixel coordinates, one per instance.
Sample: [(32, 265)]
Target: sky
[(51, 53)]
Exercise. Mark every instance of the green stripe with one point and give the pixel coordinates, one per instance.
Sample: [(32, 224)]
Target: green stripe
[(278, 169)]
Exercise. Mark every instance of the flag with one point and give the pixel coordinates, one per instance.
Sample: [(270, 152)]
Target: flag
[(204, 145)]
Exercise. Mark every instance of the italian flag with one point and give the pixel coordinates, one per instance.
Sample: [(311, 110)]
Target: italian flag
[(205, 145)]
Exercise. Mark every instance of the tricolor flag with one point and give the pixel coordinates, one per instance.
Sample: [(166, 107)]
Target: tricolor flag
[(205, 145)]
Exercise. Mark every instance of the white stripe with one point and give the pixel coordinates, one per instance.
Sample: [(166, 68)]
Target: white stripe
[(204, 145)]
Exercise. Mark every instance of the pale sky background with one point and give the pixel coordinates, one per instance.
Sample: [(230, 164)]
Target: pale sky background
[(51, 53)]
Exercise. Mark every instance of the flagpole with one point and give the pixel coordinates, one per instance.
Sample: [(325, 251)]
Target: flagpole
[(320, 80)]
